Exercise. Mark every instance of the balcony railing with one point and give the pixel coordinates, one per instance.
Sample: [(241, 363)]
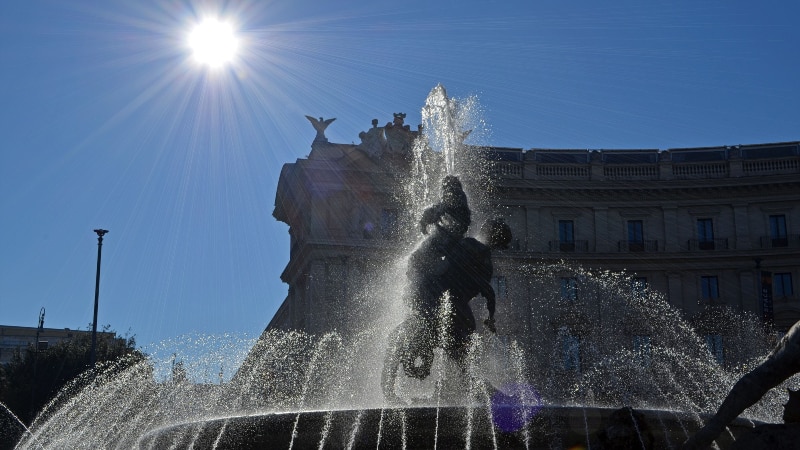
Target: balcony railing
[(569, 246), (637, 246), (579, 172), (631, 172), (788, 241), (707, 170), (635, 165), (507, 169), (771, 166), (707, 244)]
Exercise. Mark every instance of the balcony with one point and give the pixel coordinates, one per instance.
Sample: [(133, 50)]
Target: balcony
[(569, 246), (707, 244), (637, 246), (789, 241)]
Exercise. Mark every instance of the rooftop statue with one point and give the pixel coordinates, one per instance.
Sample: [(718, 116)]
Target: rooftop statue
[(373, 141), (399, 137), (320, 125), (782, 363)]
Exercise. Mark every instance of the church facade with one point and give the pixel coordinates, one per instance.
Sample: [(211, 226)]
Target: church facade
[(709, 229)]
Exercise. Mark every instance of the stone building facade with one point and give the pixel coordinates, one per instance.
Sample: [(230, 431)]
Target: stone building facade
[(708, 228)]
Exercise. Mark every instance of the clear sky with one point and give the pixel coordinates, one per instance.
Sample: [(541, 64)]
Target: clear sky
[(106, 121)]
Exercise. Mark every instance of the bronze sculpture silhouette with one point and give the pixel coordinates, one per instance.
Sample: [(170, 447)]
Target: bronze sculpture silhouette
[(445, 262), (780, 364)]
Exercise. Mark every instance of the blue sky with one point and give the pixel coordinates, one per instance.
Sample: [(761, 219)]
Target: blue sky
[(106, 121)]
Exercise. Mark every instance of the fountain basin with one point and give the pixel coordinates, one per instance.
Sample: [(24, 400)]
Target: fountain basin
[(430, 427)]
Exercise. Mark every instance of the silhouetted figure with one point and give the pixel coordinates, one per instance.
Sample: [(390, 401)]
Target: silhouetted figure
[(373, 141), (775, 436), (445, 262), (399, 137), (791, 410), (449, 221), (782, 363)]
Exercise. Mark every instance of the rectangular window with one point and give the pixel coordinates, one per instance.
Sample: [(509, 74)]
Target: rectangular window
[(499, 286), (639, 287), (641, 350), (571, 353), (777, 231), (569, 289), (635, 236), (709, 286), (782, 285), (389, 228), (566, 235), (705, 234), (635, 232), (714, 344)]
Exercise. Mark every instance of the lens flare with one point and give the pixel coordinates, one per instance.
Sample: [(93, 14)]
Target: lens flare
[(514, 405)]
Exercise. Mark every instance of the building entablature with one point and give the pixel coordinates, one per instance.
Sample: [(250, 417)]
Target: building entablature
[(524, 191), (693, 164), (346, 249)]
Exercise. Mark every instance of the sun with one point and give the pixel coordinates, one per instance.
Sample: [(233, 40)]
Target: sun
[(213, 43)]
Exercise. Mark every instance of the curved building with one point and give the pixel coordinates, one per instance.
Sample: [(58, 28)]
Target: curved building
[(709, 228)]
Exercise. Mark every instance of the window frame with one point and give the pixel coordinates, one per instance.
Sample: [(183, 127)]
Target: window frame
[(716, 346), (568, 288), (709, 287), (782, 285), (571, 352), (566, 231), (705, 233)]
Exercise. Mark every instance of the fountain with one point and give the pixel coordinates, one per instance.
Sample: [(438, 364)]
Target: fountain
[(295, 390)]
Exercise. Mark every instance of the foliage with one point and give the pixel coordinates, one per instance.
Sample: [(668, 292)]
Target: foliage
[(33, 377)]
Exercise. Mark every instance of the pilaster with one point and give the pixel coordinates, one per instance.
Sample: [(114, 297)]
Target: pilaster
[(533, 233), (741, 227), (602, 242), (671, 243)]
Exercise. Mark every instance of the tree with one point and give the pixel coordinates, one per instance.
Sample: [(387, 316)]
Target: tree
[(34, 377)]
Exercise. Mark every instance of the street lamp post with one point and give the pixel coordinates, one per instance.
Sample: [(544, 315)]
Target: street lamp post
[(100, 233), (35, 357)]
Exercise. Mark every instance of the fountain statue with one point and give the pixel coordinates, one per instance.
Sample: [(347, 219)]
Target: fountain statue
[(782, 363), (447, 266)]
